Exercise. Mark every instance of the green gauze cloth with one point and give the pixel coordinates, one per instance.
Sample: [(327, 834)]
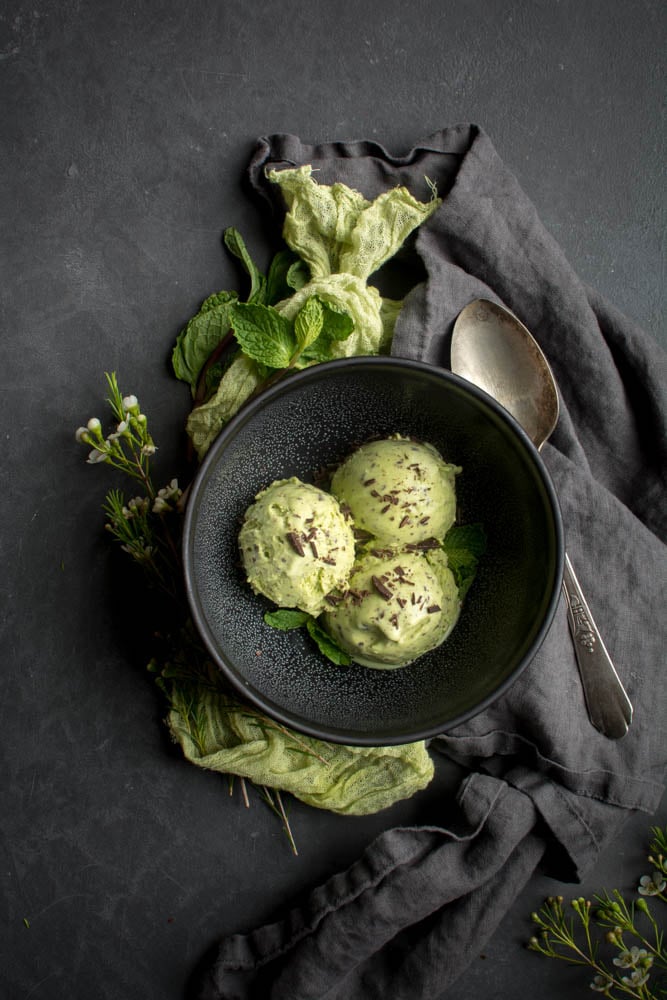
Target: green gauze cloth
[(344, 239), (216, 732)]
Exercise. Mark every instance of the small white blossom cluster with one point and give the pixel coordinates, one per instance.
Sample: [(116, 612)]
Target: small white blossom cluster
[(131, 428), (136, 507), (167, 497)]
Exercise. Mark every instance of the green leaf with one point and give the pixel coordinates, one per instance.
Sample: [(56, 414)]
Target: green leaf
[(200, 337), (263, 334), (284, 270), (326, 644), (236, 246), (464, 546), (308, 322), (286, 618), (336, 325), (298, 274)]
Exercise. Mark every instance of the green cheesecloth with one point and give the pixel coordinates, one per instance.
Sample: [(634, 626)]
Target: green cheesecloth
[(344, 239)]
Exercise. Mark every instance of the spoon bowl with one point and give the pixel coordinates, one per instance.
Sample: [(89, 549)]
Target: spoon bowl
[(494, 350)]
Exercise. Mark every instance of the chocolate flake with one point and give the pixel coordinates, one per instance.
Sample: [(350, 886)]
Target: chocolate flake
[(369, 482), (404, 520), (432, 608), (313, 548), (381, 588), (424, 546), (295, 542)]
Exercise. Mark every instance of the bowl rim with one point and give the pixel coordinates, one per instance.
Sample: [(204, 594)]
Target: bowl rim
[(229, 431)]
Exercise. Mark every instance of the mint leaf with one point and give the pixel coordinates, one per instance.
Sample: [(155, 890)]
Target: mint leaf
[(298, 275), (464, 546), (308, 322), (236, 246), (326, 644), (200, 337), (336, 325), (286, 618), (263, 334), (284, 269)]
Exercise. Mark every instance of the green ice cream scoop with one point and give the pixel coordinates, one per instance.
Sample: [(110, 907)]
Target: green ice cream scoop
[(296, 545), (396, 608), (400, 491)]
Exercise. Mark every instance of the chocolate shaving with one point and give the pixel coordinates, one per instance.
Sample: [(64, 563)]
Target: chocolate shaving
[(327, 559), (295, 542), (432, 608), (424, 546), (369, 482), (313, 548), (361, 535), (404, 520), (381, 588)]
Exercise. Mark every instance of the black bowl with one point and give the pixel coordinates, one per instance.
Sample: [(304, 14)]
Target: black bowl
[(314, 418)]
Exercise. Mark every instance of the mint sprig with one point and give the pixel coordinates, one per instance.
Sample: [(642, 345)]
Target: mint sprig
[(464, 545), (287, 619), (255, 325)]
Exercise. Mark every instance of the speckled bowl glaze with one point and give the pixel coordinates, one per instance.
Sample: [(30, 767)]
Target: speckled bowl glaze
[(315, 418)]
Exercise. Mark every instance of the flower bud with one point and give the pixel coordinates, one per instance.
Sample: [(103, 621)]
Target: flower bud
[(94, 426), (81, 435), (131, 404)]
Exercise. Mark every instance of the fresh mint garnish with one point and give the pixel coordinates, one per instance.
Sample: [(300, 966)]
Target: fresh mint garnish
[(464, 545), (286, 619), (336, 325), (263, 334), (326, 644), (236, 246), (201, 336), (308, 322)]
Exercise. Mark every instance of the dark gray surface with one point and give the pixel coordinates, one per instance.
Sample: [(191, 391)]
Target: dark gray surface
[(125, 132)]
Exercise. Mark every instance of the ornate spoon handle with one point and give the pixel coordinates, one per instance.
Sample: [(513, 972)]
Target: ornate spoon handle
[(608, 705)]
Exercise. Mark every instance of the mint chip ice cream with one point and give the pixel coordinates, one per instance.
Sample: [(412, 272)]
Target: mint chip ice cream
[(397, 606), (398, 490), (296, 545)]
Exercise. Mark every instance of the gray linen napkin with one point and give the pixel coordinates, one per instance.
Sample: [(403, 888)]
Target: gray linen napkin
[(543, 785)]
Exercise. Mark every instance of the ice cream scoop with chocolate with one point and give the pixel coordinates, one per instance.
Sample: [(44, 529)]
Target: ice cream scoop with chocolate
[(397, 606), (398, 490), (296, 545)]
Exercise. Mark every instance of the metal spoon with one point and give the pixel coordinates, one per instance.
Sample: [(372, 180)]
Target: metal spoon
[(495, 351)]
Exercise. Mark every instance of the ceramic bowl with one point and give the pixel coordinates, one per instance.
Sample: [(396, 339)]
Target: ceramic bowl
[(312, 419)]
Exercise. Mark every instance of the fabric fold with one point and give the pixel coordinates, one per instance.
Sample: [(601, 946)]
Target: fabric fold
[(411, 878)]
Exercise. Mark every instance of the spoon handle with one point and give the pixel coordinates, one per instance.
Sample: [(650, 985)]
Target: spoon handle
[(608, 705)]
